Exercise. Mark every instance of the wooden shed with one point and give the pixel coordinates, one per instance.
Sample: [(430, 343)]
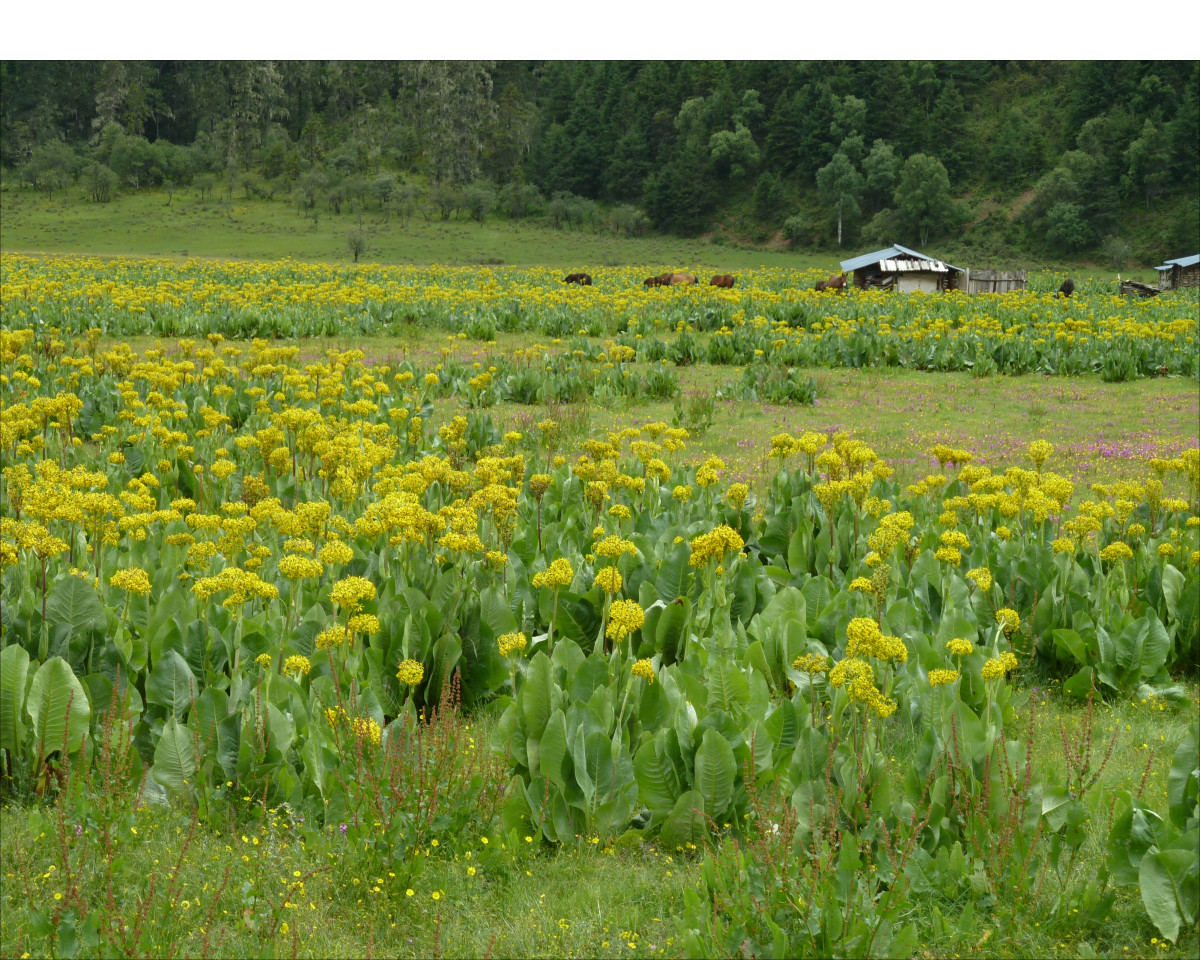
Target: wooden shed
[(898, 268), (1179, 273)]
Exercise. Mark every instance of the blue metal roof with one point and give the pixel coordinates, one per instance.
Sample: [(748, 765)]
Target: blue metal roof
[(1181, 262), (891, 252)]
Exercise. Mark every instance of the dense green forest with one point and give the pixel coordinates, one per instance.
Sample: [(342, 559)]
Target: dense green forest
[(1088, 159)]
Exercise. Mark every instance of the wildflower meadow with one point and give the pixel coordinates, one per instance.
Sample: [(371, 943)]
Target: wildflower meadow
[(429, 611)]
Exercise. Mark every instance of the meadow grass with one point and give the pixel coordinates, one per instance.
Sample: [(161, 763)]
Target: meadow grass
[(217, 887), (624, 899), (144, 223), (1101, 431)]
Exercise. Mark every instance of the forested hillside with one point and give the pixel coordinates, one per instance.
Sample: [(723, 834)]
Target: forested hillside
[(1093, 159)]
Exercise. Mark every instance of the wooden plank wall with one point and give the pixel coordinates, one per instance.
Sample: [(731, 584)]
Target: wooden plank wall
[(994, 281)]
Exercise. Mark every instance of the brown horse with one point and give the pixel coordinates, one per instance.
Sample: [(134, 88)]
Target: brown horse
[(722, 280), (671, 279), (581, 278), (836, 284), (1067, 288), (653, 282)]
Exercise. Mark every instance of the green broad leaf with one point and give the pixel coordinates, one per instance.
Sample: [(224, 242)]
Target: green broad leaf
[(591, 675), (783, 726), (797, 553), (1056, 803), (672, 580), (744, 598), (654, 708), (727, 686), (533, 755), (902, 945), (685, 826), (14, 668), (74, 603), (1173, 586), (211, 707), (1155, 647), (757, 660), (135, 461), (1078, 685), (1070, 645), (1044, 614), (554, 750), (1162, 878), (229, 742), (716, 771), (669, 634), (1133, 833), (614, 775), (313, 757), (787, 616), (585, 772), (495, 611), (58, 706), (174, 759), (614, 807), (1183, 779), (567, 657), (171, 684), (658, 785), (515, 815)]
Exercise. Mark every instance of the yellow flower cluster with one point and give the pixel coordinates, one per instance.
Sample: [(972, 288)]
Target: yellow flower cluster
[(263, 660), (411, 672), (1116, 551), (363, 623), (350, 593), (864, 638), (332, 637), (613, 546), (242, 584), (297, 664), (858, 678), (715, 544), (644, 669), (508, 642), (959, 647), (296, 567), (366, 730), (939, 677), (1009, 620), (997, 667), (624, 617), (981, 577), (133, 580), (609, 580), (811, 663), (558, 574)]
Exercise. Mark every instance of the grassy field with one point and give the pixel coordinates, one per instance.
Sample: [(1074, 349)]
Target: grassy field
[(217, 885), (1101, 431), (144, 223), (242, 878)]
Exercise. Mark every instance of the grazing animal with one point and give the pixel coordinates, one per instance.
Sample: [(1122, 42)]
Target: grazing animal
[(652, 282), (836, 284), (722, 280), (671, 279), (1067, 288), (581, 278), (820, 285)]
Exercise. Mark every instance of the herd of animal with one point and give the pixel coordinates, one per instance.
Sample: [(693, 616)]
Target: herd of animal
[(725, 280), (662, 280), (836, 283)]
